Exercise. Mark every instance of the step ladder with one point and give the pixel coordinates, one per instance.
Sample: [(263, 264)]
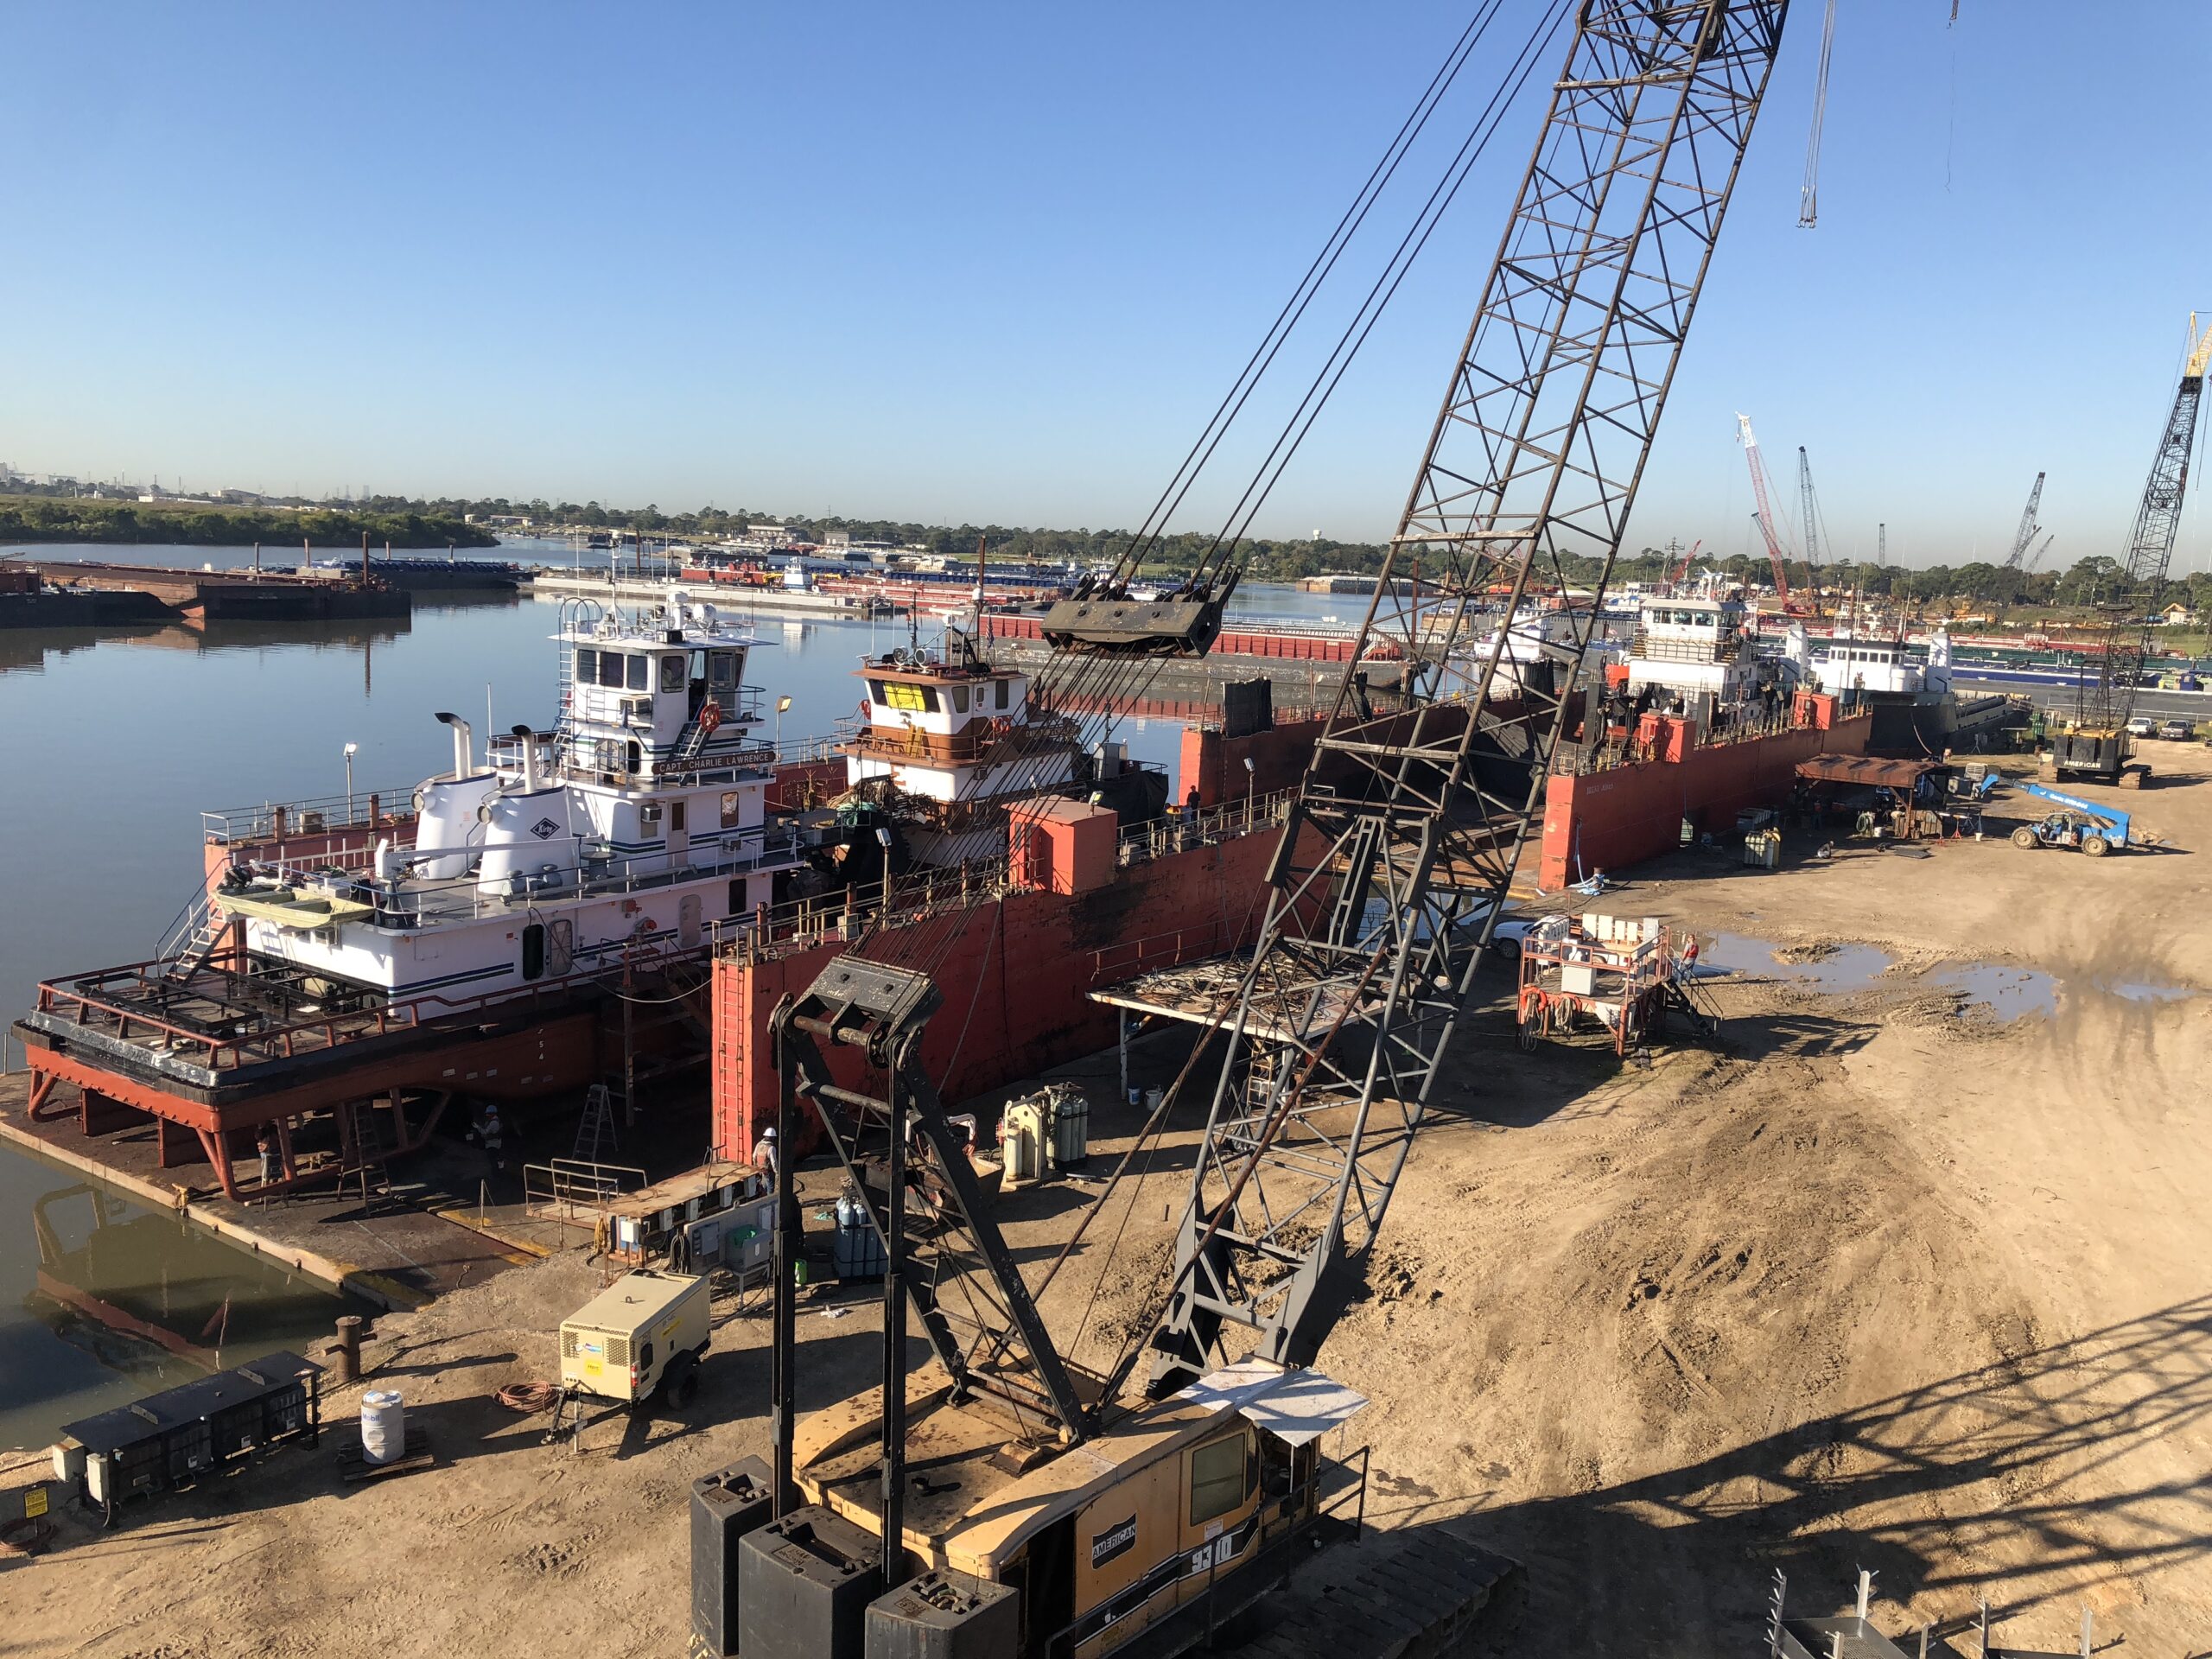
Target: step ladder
[(361, 1147), (596, 1135)]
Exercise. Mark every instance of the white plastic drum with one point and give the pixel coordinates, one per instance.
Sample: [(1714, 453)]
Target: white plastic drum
[(384, 1425)]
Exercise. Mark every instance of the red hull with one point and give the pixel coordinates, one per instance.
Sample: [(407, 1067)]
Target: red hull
[(1607, 820), (1015, 983)]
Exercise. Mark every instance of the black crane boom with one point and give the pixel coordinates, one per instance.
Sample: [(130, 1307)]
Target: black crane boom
[(1412, 809)]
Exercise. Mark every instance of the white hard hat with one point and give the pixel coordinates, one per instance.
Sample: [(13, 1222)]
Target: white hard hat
[(768, 1133)]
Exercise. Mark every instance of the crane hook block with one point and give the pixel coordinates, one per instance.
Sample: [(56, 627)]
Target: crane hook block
[(1130, 627)]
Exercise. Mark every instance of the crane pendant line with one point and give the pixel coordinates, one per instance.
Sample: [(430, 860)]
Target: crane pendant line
[(1410, 815)]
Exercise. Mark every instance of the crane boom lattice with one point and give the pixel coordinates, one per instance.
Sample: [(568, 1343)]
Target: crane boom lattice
[(1412, 810), (2024, 538), (1763, 516), (2105, 702)]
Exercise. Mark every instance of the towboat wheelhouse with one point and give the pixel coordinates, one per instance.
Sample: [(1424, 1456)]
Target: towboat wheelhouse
[(944, 740)]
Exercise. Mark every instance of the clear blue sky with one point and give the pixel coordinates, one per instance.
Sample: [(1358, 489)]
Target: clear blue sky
[(997, 261)]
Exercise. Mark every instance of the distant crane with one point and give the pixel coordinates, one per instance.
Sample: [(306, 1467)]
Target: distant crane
[(1688, 558), (2097, 748), (1811, 522), (2029, 527), (2041, 548), (1764, 516)]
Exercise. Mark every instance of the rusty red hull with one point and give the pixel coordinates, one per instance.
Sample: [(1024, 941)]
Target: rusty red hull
[(1015, 981), (1610, 819)]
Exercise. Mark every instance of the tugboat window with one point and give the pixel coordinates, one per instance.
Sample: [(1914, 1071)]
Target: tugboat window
[(672, 673), (533, 950), (610, 670), (960, 699), (587, 665), (721, 670), (638, 672), (1002, 687)]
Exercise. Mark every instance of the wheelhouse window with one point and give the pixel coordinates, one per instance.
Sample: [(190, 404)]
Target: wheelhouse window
[(611, 670), (959, 699), (914, 699), (722, 671), (671, 672), (1002, 689), (587, 665)]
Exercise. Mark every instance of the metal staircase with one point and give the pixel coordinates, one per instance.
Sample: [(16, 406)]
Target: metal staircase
[(696, 737), (193, 939)]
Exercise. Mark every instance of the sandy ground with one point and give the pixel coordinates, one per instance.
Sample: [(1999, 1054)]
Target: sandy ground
[(1889, 1281)]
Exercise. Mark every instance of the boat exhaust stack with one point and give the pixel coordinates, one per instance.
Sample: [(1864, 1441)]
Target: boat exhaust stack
[(464, 752), (529, 740)]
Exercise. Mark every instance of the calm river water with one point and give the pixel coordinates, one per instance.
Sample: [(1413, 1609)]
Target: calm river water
[(112, 744)]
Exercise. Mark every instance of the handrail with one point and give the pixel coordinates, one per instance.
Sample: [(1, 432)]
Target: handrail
[(333, 813)]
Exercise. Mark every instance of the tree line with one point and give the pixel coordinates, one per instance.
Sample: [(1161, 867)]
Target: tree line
[(51, 518)]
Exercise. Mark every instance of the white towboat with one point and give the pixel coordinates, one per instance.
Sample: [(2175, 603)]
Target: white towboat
[(638, 822)]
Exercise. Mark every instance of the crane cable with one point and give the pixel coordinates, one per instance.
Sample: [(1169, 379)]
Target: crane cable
[(1111, 682)]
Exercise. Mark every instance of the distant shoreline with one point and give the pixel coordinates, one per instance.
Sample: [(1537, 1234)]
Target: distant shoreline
[(91, 522)]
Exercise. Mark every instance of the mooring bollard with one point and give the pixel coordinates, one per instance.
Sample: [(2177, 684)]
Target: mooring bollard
[(348, 1348)]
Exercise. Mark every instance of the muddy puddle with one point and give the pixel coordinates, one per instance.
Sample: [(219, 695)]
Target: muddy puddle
[(2009, 992), (1839, 969)]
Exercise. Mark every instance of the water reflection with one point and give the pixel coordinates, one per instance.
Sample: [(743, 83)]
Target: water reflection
[(114, 1301), (128, 734)]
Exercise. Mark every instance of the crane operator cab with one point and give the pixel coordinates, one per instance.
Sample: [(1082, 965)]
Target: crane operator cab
[(1029, 1549)]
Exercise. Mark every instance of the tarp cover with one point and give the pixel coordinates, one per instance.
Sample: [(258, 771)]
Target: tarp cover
[(1293, 1405), (1863, 769)]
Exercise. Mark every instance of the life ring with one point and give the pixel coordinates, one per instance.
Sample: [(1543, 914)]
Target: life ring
[(711, 716)]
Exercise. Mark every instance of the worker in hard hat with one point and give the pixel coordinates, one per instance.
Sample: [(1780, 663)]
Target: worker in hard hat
[(764, 1153)]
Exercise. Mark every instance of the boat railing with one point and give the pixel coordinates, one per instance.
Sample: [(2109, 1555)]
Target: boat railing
[(428, 902), (1575, 760), (1180, 831), (775, 931), (320, 815), (770, 931), (1126, 958), (141, 1001)]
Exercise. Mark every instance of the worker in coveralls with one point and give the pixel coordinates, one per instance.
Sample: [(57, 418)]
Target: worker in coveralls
[(763, 1152), (490, 1133)]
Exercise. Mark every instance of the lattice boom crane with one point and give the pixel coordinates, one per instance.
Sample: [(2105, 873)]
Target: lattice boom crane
[(1764, 515), (1395, 864), (2098, 748)]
